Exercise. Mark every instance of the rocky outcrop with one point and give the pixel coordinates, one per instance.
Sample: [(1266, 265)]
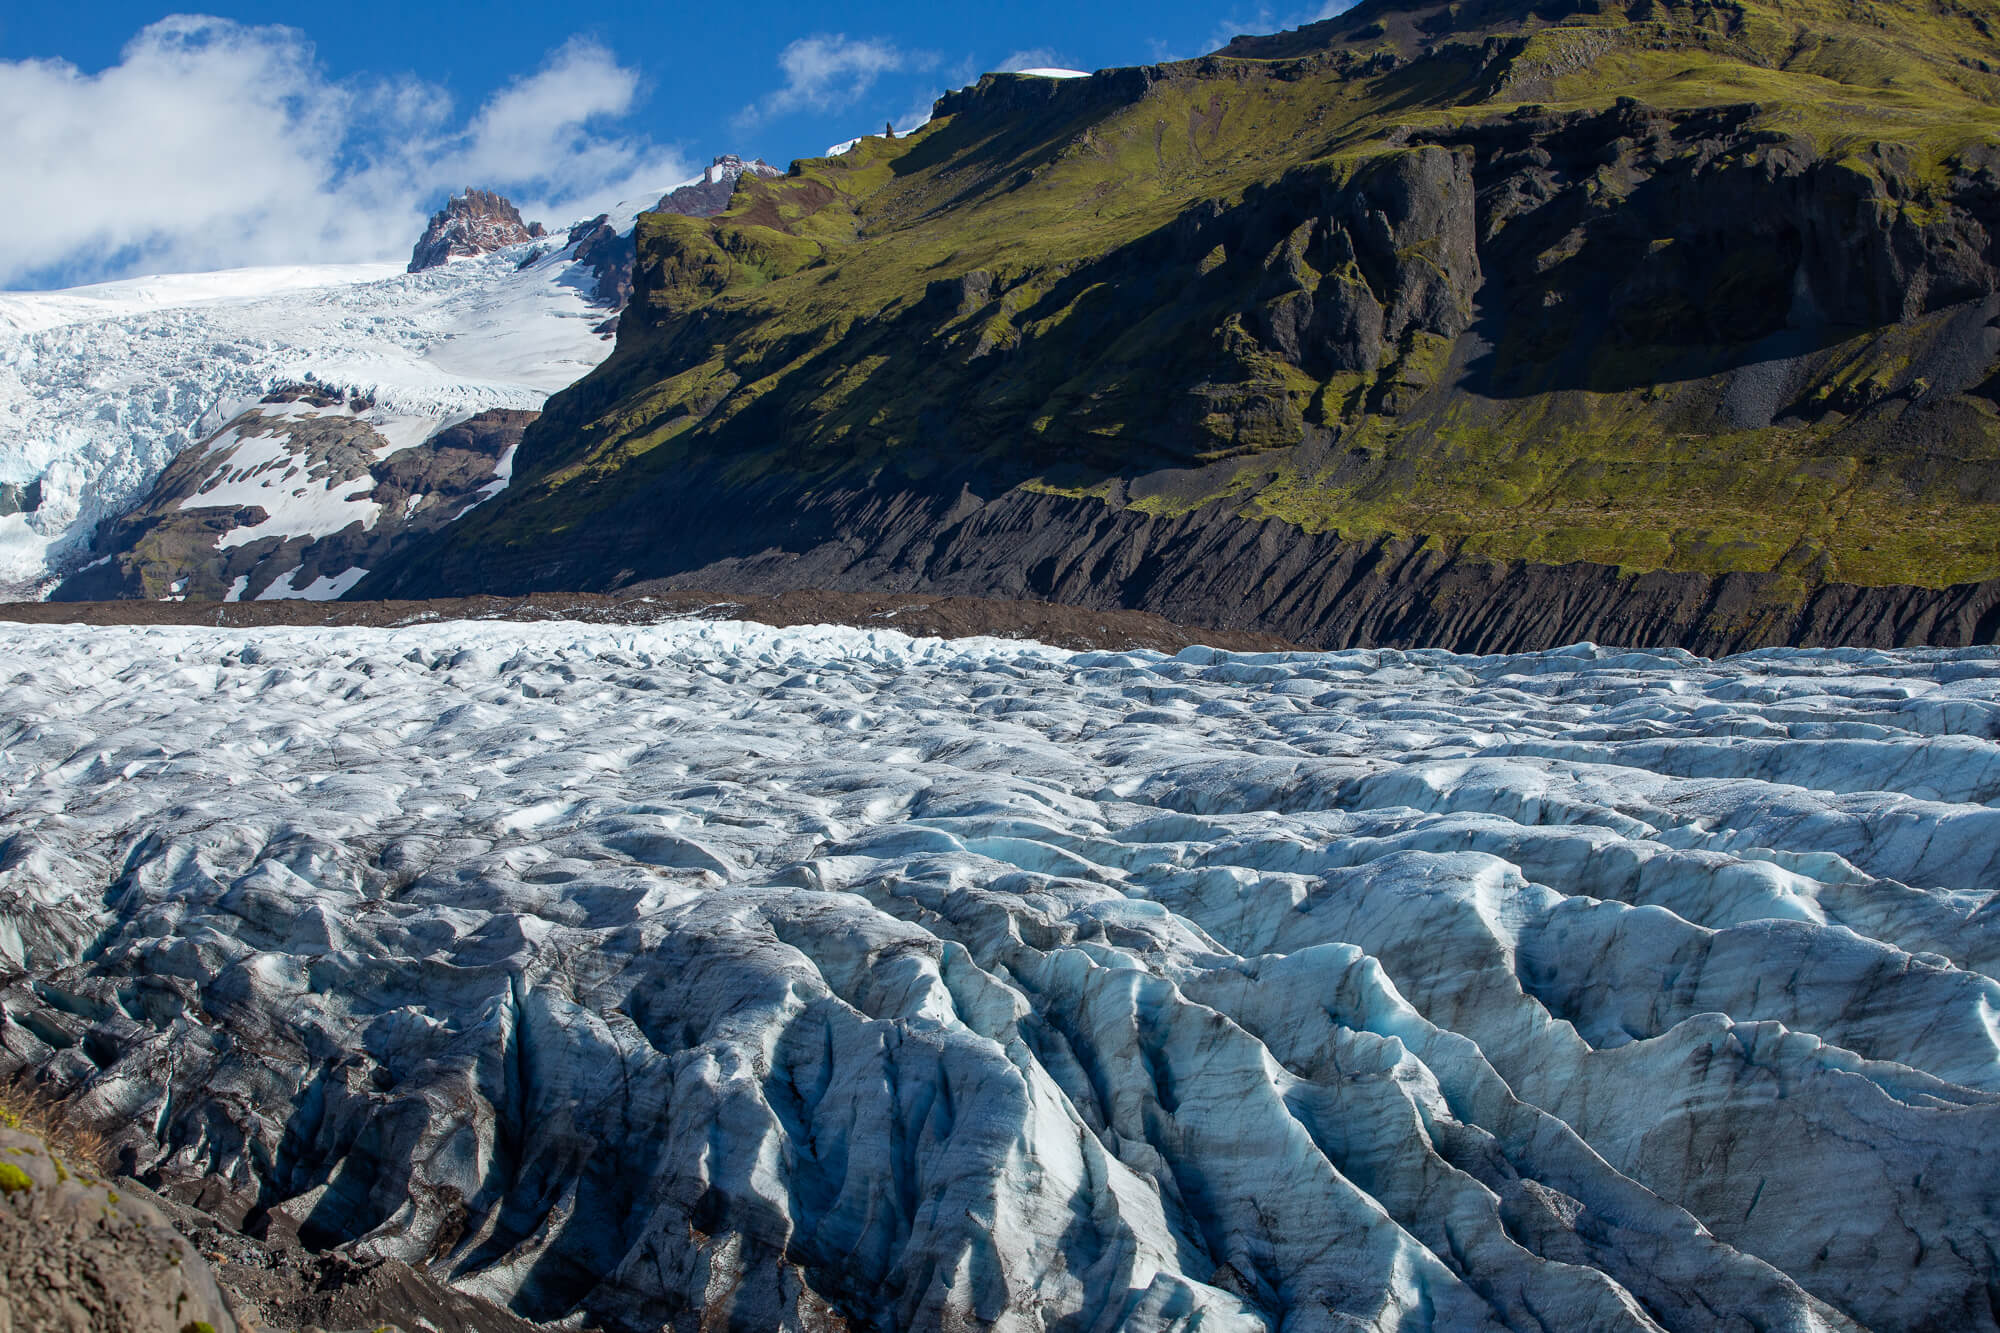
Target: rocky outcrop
[(20, 498), (598, 246), (297, 497), (78, 1252), (711, 194), (477, 222), (1723, 235), (1390, 253)]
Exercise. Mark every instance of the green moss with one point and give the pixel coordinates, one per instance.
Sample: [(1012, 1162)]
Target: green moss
[(824, 322), (1581, 476), (13, 1179)]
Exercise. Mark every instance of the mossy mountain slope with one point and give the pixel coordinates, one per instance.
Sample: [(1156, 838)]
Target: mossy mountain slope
[(1698, 289)]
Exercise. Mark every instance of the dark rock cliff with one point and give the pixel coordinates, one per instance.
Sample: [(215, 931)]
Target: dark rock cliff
[(598, 246), (1209, 567)]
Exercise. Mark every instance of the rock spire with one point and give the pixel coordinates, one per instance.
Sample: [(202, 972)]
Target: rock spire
[(476, 222)]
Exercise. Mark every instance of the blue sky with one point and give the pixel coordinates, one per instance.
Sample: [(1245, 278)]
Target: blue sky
[(148, 140)]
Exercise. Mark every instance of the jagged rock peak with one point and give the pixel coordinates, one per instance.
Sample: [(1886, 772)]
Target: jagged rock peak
[(712, 193), (476, 222)]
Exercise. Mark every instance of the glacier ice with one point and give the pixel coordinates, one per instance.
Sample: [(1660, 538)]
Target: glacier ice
[(100, 388), (791, 976)]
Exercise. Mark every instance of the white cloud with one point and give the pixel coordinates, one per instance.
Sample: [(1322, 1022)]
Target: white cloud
[(216, 144), (828, 72)]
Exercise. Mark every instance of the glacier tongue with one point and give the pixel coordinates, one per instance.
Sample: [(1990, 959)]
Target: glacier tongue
[(100, 388), (788, 977)]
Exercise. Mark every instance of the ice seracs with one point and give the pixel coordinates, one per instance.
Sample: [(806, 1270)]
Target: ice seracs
[(780, 976)]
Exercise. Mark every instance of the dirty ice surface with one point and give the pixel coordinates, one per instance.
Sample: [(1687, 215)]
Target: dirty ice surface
[(779, 973)]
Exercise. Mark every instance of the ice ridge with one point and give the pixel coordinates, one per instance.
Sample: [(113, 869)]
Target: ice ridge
[(709, 972)]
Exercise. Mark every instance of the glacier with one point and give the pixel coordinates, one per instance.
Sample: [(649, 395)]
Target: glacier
[(101, 388), (705, 974)]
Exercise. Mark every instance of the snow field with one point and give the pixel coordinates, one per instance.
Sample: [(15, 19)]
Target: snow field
[(632, 970)]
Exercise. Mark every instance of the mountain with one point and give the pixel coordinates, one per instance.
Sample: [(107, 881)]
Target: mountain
[(477, 222), (709, 195), (297, 497), (1485, 324), (275, 433)]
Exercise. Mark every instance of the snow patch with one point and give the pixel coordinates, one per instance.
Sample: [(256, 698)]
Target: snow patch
[(503, 476), (407, 432), (326, 588), (260, 471)]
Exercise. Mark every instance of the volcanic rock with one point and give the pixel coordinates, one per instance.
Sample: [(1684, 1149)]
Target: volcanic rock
[(476, 222), (77, 1252), (1535, 337)]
